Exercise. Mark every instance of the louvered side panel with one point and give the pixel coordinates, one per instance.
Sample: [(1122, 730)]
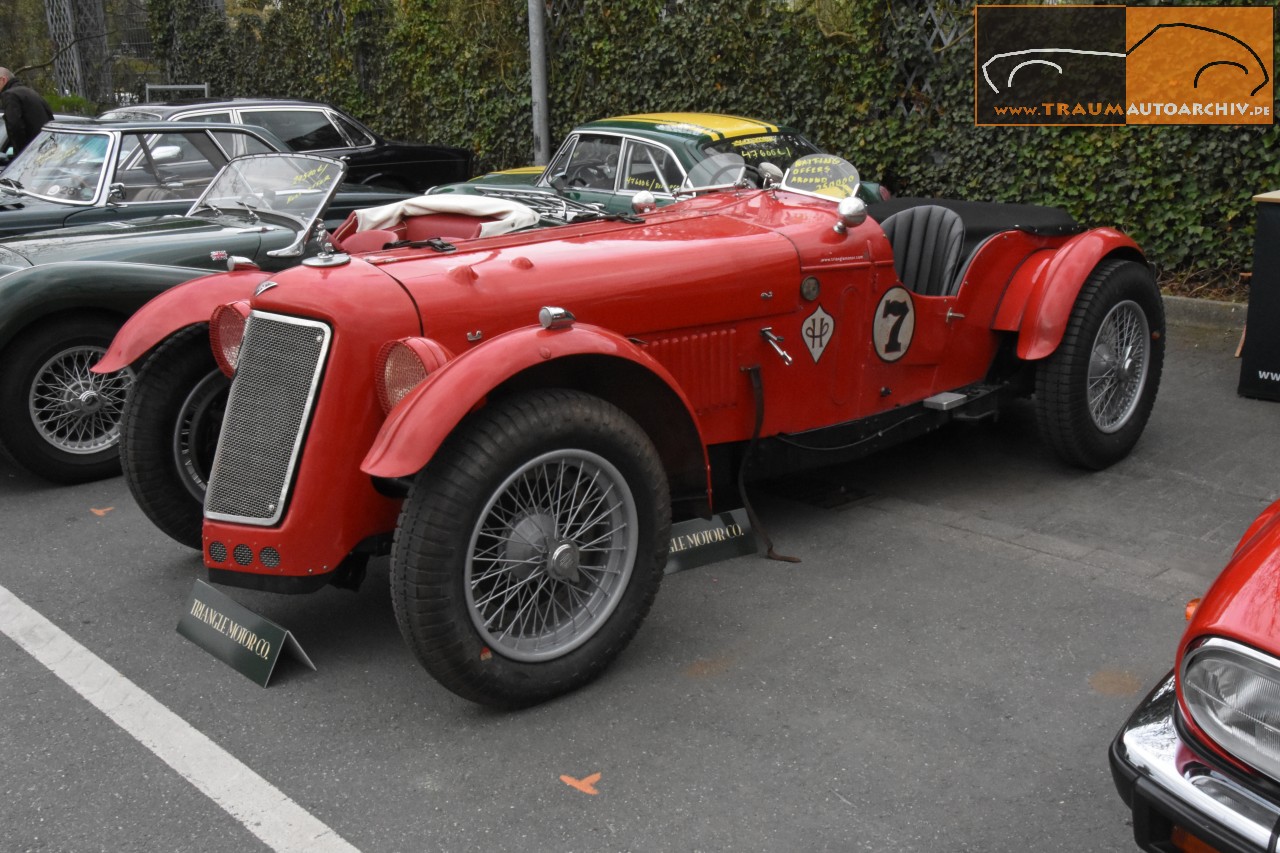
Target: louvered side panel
[(703, 364)]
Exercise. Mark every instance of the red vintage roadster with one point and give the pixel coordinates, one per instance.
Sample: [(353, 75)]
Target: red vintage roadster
[(518, 418)]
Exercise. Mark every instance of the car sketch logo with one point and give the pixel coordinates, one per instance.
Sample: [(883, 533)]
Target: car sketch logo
[(1197, 65), (1036, 56), (1092, 65)]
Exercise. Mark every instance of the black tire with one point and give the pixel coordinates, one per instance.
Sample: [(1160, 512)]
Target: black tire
[(1095, 392), (59, 420), (170, 432), (452, 594)]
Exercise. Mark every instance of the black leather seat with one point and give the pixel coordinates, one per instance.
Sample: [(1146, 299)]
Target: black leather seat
[(927, 244)]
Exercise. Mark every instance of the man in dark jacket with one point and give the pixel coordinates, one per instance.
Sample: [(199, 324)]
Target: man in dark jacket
[(25, 112)]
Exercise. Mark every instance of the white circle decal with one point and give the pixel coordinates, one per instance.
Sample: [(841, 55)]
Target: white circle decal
[(893, 324)]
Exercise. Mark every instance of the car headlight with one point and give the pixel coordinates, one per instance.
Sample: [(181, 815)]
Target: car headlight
[(404, 365), (1233, 694), (226, 334)]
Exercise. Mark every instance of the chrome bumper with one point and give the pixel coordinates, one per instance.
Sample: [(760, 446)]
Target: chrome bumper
[(1167, 784)]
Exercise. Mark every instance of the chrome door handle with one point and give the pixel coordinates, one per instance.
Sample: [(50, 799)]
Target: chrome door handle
[(774, 341)]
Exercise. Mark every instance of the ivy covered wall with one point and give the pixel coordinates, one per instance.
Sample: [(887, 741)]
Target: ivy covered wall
[(888, 85)]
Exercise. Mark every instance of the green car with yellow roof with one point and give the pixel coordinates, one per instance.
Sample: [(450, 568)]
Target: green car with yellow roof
[(608, 162)]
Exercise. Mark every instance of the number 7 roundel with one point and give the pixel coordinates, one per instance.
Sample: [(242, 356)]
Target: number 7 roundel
[(894, 324)]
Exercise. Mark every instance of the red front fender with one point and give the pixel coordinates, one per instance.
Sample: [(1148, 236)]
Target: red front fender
[(419, 424), (189, 303), (1051, 293)]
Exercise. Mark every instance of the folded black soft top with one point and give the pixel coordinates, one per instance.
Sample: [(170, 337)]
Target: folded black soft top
[(983, 218)]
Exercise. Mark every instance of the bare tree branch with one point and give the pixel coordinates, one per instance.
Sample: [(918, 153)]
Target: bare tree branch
[(62, 50)]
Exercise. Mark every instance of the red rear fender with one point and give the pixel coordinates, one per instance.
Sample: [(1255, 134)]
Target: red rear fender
[(1040, 298)]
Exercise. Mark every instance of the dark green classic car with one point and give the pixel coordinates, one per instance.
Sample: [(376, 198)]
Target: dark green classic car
[(65, 293), (81, 171)]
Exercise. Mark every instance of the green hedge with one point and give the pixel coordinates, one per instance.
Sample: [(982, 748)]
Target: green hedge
[(456, 71)]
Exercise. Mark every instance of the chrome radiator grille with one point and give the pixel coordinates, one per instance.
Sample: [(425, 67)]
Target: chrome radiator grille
[(271, 397)]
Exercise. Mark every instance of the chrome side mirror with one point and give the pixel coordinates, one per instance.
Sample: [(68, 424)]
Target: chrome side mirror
[(770, 174), (644, 202), (166, 154), (115, 192), (852, 212)]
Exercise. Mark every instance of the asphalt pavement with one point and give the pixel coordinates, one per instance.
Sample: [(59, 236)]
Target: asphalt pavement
[(969, 626)]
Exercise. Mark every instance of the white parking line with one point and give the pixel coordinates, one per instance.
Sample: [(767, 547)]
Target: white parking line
[(258, 805)]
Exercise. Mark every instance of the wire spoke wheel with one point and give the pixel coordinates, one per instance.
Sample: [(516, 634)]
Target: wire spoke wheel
[(1095, 392), (76, 411), (1118, 366), (60, 420), (530, 547), (552, 552)]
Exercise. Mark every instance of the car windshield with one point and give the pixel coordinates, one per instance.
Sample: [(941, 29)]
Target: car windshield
[(61, 165), (780, 149), (822, 175), (717, 171), (294, 185)]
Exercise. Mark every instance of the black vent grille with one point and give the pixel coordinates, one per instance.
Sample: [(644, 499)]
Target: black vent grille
[(275, 385)]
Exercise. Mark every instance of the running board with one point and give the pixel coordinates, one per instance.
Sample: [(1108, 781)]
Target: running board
[(975, 404)]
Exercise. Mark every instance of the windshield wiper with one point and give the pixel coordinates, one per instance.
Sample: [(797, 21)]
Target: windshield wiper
[(10, 183), (439, 244), (607, 217), (250, 204)]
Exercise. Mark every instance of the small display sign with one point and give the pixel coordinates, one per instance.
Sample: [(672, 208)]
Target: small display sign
[(234, 634), (699, 542)]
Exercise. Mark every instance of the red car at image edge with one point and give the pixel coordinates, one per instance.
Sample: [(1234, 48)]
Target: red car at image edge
[(1198, 762)]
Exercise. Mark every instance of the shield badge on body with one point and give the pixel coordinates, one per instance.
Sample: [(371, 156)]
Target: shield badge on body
[(818, 330)]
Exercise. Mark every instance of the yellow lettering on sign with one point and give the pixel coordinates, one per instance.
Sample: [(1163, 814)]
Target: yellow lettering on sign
[(232, 630), (705, 537)]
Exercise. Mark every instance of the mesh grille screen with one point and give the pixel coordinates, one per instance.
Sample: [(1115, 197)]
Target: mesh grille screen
[(276, 380)]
